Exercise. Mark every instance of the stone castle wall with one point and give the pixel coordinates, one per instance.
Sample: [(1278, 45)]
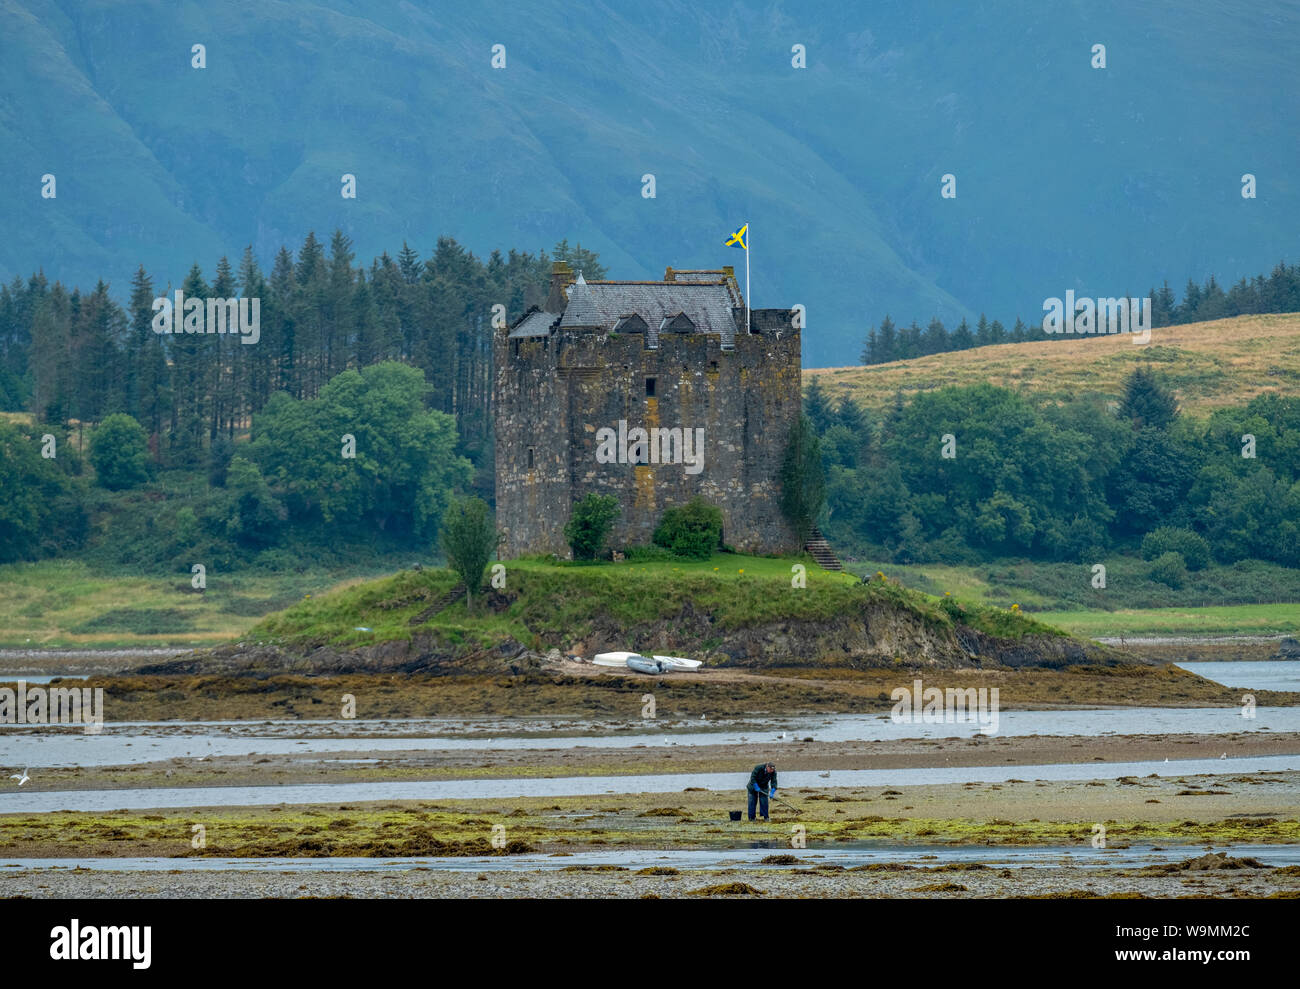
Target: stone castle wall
[(554, 394)]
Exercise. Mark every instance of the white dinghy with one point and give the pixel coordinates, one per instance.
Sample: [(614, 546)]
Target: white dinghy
[(667, 664), (677, 663)]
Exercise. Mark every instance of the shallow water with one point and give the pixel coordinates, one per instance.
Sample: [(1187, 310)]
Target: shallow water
[(848, 856), (38, 801), (123, 744), (1249, 675)]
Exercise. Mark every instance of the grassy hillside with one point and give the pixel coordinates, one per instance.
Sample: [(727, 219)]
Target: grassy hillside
[(1211, 365)]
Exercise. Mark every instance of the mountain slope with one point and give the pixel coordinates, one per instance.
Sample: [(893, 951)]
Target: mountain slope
[(837, 167)]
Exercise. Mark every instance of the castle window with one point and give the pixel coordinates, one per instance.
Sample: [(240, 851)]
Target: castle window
[(530, 458), (649, 387)]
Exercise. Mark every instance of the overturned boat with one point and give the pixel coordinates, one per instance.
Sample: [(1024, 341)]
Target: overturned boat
[(646, 664), (676, 663)]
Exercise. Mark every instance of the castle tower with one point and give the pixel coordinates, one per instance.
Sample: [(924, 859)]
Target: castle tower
[(653, 392)]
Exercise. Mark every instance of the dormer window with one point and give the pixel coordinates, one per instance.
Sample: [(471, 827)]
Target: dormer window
[(677, 323), (631, 323)]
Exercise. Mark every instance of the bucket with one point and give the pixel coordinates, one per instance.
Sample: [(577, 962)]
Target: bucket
[(735, 814)]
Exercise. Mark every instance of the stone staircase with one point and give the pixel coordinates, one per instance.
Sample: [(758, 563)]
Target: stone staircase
[(821, 551)]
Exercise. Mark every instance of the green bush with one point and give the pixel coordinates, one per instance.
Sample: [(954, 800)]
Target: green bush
[(589, 525), (40, 505), (251, 514), (692, 530), (119, 451), (1193, 548), (1169, 569)]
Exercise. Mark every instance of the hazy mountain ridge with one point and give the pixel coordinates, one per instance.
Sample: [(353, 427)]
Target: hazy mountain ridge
[(1107, 181)]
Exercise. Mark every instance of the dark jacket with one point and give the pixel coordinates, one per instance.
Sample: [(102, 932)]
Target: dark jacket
[(761, 779)]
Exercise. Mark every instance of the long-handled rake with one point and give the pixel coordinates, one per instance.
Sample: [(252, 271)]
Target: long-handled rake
[(772, 796), (786, 803)]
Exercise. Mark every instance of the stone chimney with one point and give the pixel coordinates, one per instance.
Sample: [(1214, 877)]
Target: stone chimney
[(561, 278)]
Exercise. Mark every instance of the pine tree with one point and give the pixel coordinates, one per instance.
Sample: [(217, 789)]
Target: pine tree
[(51, 355), (817, 407), (218, 357), (408, 262), (936, 338), (1187, 311), (962, 338), (369, 346), (870, 349), (1240, 301), (98, 336), (888, 341), (1163, 306), (909, 341), (148, 384), (340, 321), (580, 259), (851, 416), (308, 308), (251, 371), (189, 355), (284, 326), (1147, 403), (1214, 304)]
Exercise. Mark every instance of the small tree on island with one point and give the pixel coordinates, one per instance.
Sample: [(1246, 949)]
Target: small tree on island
[(469, 538), (589, 525), (803, 481)]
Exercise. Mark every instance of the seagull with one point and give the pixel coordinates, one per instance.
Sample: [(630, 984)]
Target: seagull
[(824, 775), (21, 779), (1224, 756)]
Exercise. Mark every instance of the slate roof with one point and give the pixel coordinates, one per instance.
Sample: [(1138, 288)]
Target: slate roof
[(685, 302), (708, 305), (534, 324)]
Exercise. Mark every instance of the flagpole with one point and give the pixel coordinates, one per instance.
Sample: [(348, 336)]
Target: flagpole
[(749, 323)]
